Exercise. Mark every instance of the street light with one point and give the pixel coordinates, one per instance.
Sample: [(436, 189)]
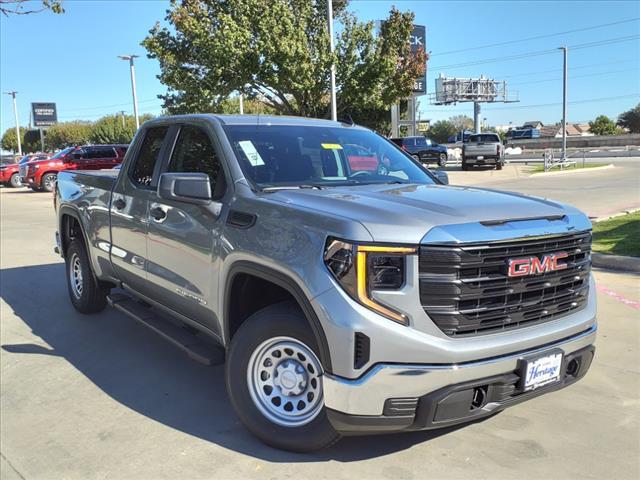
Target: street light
[(15, 115), (334, 110), (133, 85)]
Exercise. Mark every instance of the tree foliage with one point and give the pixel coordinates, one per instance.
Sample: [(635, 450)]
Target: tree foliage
[(630, 119), (441, 130), (110, 129), (603, 125), (19, 7), (66, 134), (277, 52), (461, 122)]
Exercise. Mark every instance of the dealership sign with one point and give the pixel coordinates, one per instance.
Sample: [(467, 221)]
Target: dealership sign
[(44, 114), (418, 41)]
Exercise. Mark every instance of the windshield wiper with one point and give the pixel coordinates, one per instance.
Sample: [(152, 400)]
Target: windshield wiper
[(291, 187)]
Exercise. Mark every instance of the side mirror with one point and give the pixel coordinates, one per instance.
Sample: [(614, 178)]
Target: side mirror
[(192, 188), (441, 175)]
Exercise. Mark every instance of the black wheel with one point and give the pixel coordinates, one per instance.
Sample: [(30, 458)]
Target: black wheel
[(274, 380), (48, 181), (15, 181), (499, 165), (86, 294), (442, 160), (416, 157), (465, 167)]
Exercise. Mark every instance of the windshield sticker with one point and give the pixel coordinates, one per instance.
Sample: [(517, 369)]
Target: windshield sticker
[(331, 146), (252, 154)]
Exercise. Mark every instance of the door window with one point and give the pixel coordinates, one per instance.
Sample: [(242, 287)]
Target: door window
[(194, 153), (142, 173), (101, 152)]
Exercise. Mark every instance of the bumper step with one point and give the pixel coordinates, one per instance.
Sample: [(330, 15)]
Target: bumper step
[(192, 344)]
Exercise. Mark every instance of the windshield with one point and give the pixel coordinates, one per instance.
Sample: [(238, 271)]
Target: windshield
[(62, 153), (484, 138), (286, 155)]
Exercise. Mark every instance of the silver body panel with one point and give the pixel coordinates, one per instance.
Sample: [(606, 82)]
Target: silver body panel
[(184, 262)]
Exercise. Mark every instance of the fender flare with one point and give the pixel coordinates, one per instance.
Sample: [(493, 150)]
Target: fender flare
[(287, 283), (72, 212)]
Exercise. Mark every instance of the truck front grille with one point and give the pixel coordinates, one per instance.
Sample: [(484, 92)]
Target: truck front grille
[(465, 289)]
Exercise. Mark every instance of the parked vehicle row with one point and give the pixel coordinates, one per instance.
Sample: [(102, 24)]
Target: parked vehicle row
[(39, 171)]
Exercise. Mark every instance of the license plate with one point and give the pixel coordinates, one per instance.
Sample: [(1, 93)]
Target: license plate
[(481, 157), (542, 371)]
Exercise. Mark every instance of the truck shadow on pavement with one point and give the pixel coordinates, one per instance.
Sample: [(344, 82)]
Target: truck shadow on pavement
[(144, 373)]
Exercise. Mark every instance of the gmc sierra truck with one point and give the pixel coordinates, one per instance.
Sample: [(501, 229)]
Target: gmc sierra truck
[(342, 300)]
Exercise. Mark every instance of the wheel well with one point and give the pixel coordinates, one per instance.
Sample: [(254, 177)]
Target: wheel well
[(248, 294), (69, 229)]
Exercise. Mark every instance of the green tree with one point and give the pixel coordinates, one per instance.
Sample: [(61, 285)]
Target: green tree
[(277, 51), (66, 134), (441, 130), (461, 122), (110, 129), (17, 7), (630, 119), (29, 140), (603, 125), (231, 105)]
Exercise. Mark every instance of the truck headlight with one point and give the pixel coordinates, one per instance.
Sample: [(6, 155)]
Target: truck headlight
[(361, 269)]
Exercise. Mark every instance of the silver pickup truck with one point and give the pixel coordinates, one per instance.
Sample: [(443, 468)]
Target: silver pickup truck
[(483, 149), (345, 296)]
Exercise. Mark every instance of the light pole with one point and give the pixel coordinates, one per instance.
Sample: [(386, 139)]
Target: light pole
[(564, 104), (15, 115), (133, 85), (334, 108)]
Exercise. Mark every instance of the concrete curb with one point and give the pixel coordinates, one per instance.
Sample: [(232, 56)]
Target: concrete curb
[(567, 172), (616, 262), (615, 215)]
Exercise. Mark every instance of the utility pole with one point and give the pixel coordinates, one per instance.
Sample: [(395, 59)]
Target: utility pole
[(241, 99), (133, 85), (564, 104), (477, 128), (334, 108), (15, 115), (122, 116)]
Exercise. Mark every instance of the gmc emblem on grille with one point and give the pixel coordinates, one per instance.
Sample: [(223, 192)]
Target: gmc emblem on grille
[(521, 267)]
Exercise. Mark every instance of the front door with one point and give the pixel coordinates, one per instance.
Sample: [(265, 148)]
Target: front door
[(129, 211), (183, 238)]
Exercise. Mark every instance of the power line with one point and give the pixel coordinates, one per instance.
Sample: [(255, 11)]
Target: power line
[(589, 75), (571, 69), (97, 107), (575, 102), (608, 41), (537, 37)]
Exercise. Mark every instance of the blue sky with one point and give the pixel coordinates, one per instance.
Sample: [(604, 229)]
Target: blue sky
[(71, 59)]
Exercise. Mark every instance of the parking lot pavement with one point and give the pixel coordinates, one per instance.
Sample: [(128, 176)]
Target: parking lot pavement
[(86, 397), (598, 193)]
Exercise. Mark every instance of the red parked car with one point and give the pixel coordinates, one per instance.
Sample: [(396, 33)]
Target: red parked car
[(41, 175), (10, 172)]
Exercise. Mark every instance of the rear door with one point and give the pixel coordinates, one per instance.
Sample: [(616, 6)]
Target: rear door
[(183, 238), (130, 206)]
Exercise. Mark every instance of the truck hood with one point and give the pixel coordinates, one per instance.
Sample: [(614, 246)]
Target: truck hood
[(436, 213)]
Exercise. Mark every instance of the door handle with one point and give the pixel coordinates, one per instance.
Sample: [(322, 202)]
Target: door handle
[(119, 203), (158, 213)]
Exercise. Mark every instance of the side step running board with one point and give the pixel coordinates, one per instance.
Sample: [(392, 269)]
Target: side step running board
[(200, 350)]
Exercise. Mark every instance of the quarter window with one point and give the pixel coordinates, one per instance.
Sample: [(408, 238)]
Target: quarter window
[(194, 153), (142, 173)]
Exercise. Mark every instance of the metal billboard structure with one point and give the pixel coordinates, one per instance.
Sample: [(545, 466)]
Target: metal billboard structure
[(477, 90)]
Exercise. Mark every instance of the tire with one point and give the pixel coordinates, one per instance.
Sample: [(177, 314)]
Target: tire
[(254, 367), (442, 159), (86, 294), (416, 157), (15, 181), (499, 165), (465, 167), (48, 182)]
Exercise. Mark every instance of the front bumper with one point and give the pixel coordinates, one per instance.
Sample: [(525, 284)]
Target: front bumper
[(392, 397)]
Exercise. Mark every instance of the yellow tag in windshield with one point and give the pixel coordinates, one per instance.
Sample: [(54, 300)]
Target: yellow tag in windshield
[(331, 146)]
